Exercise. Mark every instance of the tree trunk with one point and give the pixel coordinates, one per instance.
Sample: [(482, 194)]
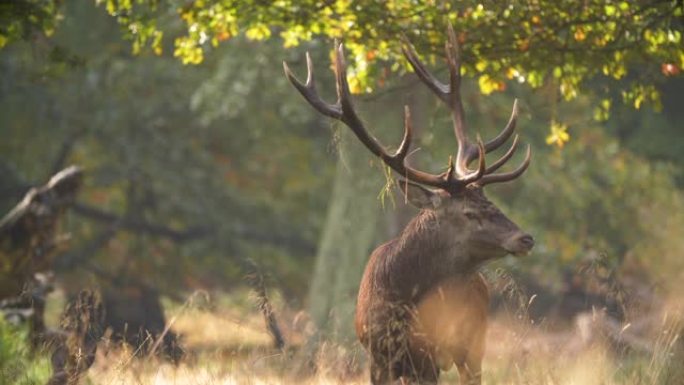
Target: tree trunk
[(347, 239), (353, 226)]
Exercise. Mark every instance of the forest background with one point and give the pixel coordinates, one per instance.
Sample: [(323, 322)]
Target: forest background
[(200, 156)]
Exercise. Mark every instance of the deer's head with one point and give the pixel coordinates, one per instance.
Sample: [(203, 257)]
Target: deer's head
[(469, 221), (456, 195)]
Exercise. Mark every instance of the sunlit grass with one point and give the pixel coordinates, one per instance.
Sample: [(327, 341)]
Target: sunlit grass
[(232, 347)]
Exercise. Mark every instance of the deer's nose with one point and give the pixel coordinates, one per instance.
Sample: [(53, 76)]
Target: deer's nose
[(526, 241), (519, 244)]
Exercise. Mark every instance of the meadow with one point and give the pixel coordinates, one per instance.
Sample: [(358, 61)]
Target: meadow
[(226, 343)]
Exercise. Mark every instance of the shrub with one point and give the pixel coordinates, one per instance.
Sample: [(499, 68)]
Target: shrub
[(18, 365)]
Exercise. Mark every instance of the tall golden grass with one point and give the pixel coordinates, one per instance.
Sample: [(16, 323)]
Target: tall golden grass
[(232, 347)]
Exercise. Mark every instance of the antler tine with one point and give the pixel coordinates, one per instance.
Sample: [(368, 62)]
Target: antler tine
[(453, 57), (449, 94), (348, 115), (440, 89), (402, 151), (481, 167), (499, 139), (351, 119), (309, 92), (501, 161), (506, 132), (505, 177)]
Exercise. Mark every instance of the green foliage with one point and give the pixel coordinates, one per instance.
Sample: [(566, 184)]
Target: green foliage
[(628, 47), (598, 198), (177, 147), (597, 189), (528, 42), (28, 19), (18, 366)]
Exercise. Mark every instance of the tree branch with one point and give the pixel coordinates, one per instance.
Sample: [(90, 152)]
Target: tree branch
[(193, 232), (69, 260), (136, 225), (65, 149)]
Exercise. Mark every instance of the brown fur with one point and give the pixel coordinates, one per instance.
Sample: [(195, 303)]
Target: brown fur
[(422, 305)]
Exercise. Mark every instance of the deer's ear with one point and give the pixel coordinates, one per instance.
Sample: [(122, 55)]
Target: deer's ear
[(419, 196)]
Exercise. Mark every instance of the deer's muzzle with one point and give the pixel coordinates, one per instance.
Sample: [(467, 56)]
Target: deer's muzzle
[(519, 244)]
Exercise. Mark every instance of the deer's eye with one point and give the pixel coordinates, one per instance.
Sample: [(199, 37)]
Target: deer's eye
[(470, 215), (473, 218)]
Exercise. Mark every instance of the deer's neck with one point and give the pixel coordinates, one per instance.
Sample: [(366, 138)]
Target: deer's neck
[(422, 256)]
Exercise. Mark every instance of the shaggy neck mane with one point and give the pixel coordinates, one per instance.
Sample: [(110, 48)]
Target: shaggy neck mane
[(418, 258), (421, 233)]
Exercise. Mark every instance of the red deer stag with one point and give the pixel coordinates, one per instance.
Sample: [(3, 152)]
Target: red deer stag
[(422, 304)]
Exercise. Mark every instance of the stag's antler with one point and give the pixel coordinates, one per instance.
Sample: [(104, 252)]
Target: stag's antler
[(457, 175), (450, 95), (343, 110)]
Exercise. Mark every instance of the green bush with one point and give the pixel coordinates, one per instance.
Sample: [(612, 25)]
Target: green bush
[(18, 365)]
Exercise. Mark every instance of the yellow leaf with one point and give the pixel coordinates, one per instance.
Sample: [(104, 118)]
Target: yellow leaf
[(258, 32), (354, 85), (511, 72), (290, 38), (489, 85), (558, 135)]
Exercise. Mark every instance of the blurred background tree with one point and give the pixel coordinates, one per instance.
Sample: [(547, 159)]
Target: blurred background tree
[(192, 168)]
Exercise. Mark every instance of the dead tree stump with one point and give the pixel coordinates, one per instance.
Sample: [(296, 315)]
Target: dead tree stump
[(75, 344), (136, 317)]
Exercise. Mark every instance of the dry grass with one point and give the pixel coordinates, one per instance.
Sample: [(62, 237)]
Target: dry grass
[(231, 347)]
